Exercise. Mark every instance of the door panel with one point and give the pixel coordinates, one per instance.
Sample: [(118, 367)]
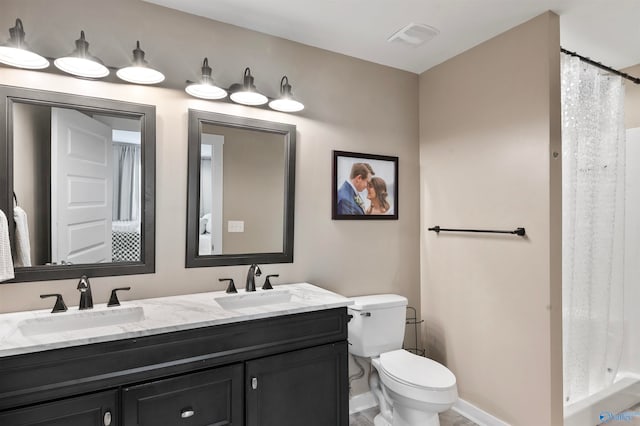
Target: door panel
[(306, 387), (82, 188)]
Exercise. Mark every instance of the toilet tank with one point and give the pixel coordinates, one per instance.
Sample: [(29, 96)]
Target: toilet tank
[(377, 325)]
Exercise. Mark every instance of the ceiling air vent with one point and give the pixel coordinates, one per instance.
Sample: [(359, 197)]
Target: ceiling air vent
[(413, 35)]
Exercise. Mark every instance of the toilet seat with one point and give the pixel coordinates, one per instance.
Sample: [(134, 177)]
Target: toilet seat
[(417, 378), (417, 371)]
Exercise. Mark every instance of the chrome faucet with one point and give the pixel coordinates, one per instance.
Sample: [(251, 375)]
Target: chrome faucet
[(254, 271), (86, 300)]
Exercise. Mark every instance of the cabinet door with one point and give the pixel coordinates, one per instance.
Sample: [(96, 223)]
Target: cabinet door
[(88, 410), (211, 397), (307, 387)]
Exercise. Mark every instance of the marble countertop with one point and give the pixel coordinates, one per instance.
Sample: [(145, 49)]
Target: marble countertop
[(34, 331)]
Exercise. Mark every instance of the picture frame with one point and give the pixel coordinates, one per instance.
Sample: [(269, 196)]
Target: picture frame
[(356, 197)]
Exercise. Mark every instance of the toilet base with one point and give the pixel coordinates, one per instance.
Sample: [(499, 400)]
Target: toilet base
[(379, 420), (409, 417), (405, 416)]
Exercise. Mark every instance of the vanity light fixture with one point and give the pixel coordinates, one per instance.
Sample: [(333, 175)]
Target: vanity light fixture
[(205, 89), (286, 103), (139, 72), (246, 93), (16, 53), (80, 63)]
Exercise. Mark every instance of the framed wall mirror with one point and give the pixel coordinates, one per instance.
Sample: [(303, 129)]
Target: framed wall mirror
[(78, 184), (240, 200)]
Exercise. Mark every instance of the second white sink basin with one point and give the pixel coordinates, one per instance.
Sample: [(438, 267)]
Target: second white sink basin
[(80, 320), (252, 299)]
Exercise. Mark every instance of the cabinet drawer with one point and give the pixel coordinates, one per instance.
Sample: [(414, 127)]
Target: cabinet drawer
[(89, 410), (211, 397)]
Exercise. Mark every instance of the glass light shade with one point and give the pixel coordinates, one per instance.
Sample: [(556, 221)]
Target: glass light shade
[(81, 63), (140, 75), (249, 98), (16, 53), (81, 67), (205, 91), (246, 93), (286, 105), (139, 72), (285, 102), (22, 58)]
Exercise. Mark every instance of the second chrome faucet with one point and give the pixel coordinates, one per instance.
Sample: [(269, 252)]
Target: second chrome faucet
[(86, 300), (254, 271)]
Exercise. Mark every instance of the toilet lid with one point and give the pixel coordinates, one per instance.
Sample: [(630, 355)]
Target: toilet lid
[(416, 370)]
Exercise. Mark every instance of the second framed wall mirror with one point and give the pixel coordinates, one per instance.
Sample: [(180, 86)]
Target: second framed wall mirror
[(240, 201)]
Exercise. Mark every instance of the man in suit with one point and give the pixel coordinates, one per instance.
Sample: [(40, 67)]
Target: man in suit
[(349, 200)]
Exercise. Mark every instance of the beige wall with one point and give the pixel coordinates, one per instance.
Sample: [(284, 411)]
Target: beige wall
[(253, 192), (351, 105), (489, 124), (32, 127)]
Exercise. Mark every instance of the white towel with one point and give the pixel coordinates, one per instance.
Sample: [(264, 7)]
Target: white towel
[(23, 247), (6, 263)]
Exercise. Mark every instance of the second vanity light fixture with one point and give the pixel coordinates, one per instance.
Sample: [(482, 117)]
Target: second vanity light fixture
[(244, 93)]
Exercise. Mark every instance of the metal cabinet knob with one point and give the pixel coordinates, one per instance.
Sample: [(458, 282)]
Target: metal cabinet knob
[(254, 383), (187, 412), (106, 419)]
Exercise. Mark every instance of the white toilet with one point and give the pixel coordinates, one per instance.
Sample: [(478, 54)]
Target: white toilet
[(411, 390)]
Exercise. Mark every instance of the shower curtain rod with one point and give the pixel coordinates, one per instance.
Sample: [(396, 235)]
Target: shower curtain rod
[(636, 80)]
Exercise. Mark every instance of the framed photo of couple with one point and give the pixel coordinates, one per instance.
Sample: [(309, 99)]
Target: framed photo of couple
[(365, 186)]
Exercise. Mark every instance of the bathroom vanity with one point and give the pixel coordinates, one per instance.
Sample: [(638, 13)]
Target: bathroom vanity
[(262, 360)]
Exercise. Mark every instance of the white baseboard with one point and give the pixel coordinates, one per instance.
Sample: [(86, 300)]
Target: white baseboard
[(476, 415), (362, 402), (366, 400)]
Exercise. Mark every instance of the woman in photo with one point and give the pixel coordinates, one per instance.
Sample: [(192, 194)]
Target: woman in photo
[(377, 194)]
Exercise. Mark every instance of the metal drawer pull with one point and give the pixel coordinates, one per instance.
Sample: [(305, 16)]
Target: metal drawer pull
[(365, 314), (106, 419), (254, 383), (187, 412)]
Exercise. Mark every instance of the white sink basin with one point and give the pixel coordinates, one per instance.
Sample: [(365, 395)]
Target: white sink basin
[(80, 320), (252, 299)]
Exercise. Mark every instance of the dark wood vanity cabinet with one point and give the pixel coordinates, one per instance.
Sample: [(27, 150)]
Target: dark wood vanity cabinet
[(286, 370)]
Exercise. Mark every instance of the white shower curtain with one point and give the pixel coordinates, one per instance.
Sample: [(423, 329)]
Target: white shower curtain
[(593, 155)]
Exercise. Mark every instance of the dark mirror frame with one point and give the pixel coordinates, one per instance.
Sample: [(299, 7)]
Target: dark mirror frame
[(147, 116), (288, 131)]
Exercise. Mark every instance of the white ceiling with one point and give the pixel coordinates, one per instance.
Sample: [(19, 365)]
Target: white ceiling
[(607, 31)]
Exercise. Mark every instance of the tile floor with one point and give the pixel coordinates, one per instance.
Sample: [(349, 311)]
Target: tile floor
[(448, 418)]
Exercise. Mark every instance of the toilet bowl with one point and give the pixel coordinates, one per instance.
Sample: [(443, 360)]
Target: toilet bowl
[(411, 390), (416, 387)]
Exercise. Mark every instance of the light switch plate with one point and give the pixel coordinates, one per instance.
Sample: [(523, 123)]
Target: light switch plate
[(235, 226)]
